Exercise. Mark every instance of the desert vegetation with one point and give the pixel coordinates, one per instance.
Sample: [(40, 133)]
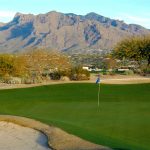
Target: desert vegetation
[(135, 49), (38, 65)]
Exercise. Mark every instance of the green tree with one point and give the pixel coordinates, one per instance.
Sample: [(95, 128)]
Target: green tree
[(134, 48)]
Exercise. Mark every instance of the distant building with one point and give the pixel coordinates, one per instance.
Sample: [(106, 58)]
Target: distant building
[(126, 68), (91, 68)]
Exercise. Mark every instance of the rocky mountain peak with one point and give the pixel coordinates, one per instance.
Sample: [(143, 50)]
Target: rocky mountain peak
[(18, 14), (69, 32), (22, 18)]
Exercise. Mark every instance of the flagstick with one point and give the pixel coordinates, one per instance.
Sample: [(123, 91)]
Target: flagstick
[(98, 94)]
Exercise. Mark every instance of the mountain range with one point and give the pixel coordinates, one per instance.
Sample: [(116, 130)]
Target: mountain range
[(65, 32)]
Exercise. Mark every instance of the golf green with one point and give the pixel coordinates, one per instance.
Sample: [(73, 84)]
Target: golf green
[(122, 121)]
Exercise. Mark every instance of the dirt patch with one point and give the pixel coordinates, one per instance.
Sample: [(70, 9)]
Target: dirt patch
[(107, 79), (121, 79)]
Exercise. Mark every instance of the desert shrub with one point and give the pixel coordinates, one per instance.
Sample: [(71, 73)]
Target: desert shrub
[(14, 80), (27, 80), (104, 73), (6, 78), (12, 65), (77, 73), (55, 75), (128, 72), (113, 72), (145, 70), (6, 64), (1, 79), (64, 78)]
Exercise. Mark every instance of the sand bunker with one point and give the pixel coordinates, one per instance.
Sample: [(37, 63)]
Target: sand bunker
[(57, 138), (15, 137)]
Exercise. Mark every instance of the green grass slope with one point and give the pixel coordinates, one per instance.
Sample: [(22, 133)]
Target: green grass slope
[(122, 121)]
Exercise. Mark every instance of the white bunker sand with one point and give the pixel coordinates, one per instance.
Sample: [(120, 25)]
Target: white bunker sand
[(16, 137)]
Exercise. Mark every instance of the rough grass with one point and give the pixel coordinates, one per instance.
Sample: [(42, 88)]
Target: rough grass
[(121, 122)]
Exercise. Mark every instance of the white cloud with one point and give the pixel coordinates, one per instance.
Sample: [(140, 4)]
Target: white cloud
[(131, 19), (6, 16)]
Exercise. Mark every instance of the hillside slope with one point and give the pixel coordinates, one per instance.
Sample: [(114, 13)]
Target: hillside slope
[(66, 32)]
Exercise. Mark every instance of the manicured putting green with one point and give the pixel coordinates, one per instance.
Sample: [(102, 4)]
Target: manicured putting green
[(122, 121)]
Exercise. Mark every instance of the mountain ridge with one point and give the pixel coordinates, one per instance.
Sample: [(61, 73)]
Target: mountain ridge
[(66, 32)]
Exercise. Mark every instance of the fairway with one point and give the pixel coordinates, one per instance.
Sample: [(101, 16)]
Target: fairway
[(122, 121)]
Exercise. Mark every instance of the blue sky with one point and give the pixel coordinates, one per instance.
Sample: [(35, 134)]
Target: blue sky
[(130, 11)]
